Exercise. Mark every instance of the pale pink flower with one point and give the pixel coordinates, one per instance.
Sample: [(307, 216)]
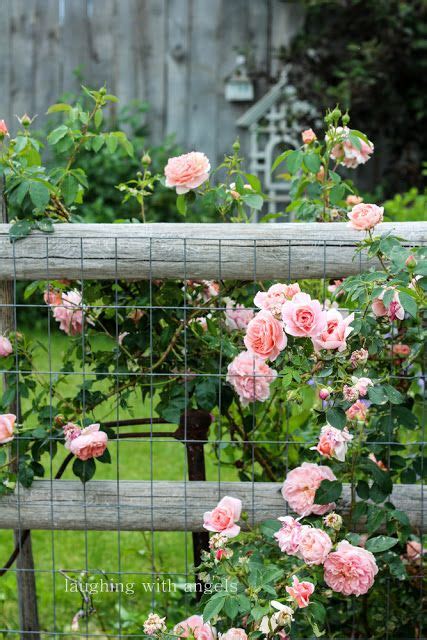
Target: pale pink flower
[(264, 336), (85, 443), (359, 358), (122, 336), (300, 486), (304, 317), (333, 443), (357, 411), (76, 618), (350, 570), (401, 350), (237, 316), (7, 427), (324, 394), (210, 289), (288, 536), (153, 624), (187, 171), (5, 347), (414, 551), (332, 288), (223, 518), (365, 216), (234, 634), (194, 627), (52, 297), (314, 545), (273, 299), (362, 385), (352, 200), (349, 154), (337, 330), (301, 592), (4, 131), (69, 313), (251, 377), (379, 463), (308, 136), (350, 393), (393, 311)]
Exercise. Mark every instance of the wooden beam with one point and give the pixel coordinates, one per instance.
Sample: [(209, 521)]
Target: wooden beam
[(161, 505), (287, 251)]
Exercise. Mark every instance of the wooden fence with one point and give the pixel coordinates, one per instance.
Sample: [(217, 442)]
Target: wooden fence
[(174, 54)]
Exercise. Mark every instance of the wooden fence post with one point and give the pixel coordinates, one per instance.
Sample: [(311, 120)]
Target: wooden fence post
[(25, 572)]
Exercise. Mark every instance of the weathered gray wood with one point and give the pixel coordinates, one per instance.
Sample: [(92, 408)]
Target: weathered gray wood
[(75, 46), (281, 251), (5, 62), (163, 506), (177, 78)]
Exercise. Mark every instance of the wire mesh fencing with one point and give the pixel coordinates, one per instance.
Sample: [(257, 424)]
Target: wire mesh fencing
[(147, 358)]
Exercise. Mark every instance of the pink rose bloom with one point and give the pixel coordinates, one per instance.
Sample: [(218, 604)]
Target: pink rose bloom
[(210, 289), (401, 350), (273, 299), (393, 311), (349, 154), (52, 297), (222, 519), (300, 486), (251, 377), (69, 313), (350, 393), (237, 316), (308, 136), (5, 347), (304, 317), (337, 330), (264, 336), (359, 358), (314, 545), (365, 216), (362, 385), (357, 411), (234, 634), (187, 171), (4, 131), (333, 443), (350, 570), (85, 443), (414, 551), (300, 592), (288, 536), (194, 627), (7, 426), (352, 200)]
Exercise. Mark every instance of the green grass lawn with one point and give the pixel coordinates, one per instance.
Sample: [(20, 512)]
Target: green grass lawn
[(128, 557)]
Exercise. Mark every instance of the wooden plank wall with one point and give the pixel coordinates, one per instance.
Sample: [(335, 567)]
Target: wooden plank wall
[(175, 54)]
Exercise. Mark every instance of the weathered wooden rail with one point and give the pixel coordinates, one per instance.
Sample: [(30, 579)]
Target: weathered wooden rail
[(239, 251), (102, 505)]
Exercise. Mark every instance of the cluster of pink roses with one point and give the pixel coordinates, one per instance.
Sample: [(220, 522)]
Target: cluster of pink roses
[(67, 309), (85, 443), (349, 154), (310, 544)]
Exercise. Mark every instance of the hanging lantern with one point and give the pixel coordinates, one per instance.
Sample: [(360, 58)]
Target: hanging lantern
[(238, 86)]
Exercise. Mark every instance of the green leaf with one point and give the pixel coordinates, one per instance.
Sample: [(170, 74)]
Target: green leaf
[(21, 191), (214, 606), (20, 143), (45, 225), (294, 161), (328, 491), (39, 195), (111, 143), (57, 134), (408, 303), (206, 393), (377, 395), (253, 200), (59, 106), (380, 543), (105, 458), (20, 229), (70, 188), (336, 417), (312, 162), (181, 204), (278, 161), (231, 607), (336, 194), (25, 475), (382, 478), (393, 394), (84, 469), (376, 517), (98, 118), (362, 489)]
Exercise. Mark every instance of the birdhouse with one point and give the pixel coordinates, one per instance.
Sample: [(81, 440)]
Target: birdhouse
[(238, 86)]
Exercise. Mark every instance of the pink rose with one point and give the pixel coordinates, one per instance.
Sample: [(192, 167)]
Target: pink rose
[(52, 297), (333, 442), (237, 316), (365, 216), (210, 289), (414, 551), (85, 443), (308, 136), (352, 200), (379, 463), (4, 131), (5, 347), (314, 545), (251, 377), (69, 313), (300, 592), (222, 518), (273, 299), (357, 411), (264, 336), (393, 311), (194, 627), (187, 171), (234, 634), (288, 536), (362, 385), (300, 486), (303, 316), (350, 570), (348, 153), (401, 350), (7, 426), (359, 358), (337, 330), (350, 393)]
